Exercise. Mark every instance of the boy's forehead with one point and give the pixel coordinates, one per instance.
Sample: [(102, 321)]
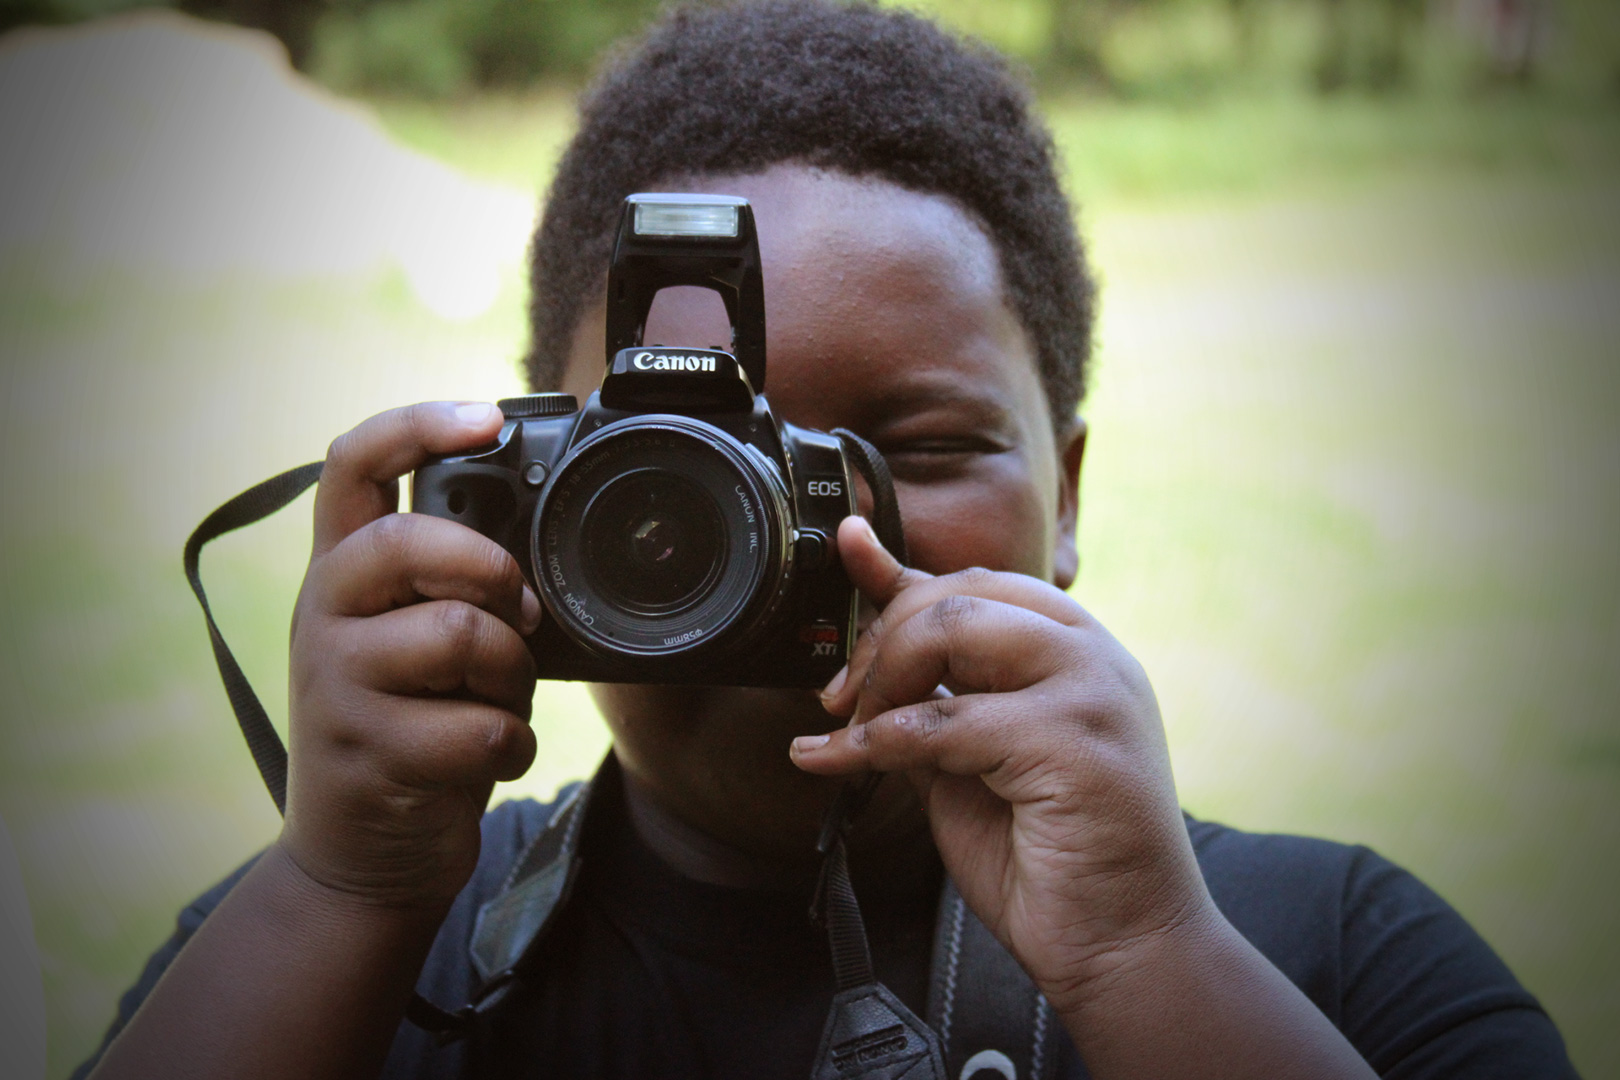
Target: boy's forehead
[(805, 215)]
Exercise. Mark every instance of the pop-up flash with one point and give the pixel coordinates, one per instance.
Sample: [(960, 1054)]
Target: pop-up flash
[(718, 218)]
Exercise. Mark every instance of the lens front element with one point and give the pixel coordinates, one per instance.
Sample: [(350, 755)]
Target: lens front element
[(654, 542), (661, 536)]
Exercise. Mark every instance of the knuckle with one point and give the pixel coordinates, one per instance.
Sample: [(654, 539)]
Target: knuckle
[(392, 536), (344, 655), (1133, 676), (417, 421), (929, 718), (499, 735), (913, 729), (413, 418), (349, 719), (876, 669), (458, 626), (1074, 614), (342, 449), (874, 633), (972, 579), (951, 614), (522, 662), (497, 567)]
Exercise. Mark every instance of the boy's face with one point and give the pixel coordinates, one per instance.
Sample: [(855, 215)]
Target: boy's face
[(884, 314)]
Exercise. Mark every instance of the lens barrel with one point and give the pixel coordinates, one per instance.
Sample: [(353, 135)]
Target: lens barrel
[(660, 535)]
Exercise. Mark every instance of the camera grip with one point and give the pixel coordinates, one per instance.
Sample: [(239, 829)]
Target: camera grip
[(486, 498)]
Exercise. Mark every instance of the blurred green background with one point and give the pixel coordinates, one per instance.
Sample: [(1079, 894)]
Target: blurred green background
[(1353, 488)]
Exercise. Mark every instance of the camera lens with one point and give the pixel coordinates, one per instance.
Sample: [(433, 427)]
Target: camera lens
[(654, 542), (661, 536)]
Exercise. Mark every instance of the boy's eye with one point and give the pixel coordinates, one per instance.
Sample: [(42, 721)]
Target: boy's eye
[(935, 449), (962, 444), (918, 458)]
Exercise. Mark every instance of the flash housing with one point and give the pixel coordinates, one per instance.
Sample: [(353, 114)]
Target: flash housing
[(692, 247)]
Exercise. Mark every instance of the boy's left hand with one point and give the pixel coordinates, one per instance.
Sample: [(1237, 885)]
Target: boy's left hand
[(1044, 770)]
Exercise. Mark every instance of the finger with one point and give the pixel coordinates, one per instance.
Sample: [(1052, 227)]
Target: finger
[(402, 559), (1019, 590), (871, 569), (450, 744), (876, 573), (974, 644), (968, 735), (360, 481), (998, 738), (1016, 743), (438, 648)]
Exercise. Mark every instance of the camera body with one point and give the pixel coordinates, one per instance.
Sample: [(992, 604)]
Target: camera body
[(674, 529)]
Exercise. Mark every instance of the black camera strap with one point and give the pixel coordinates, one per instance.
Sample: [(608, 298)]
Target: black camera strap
[(885, 506), (269, 753), (253, 505), (869, 1032)]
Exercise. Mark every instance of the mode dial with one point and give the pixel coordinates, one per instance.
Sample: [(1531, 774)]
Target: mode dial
[(532, 405)]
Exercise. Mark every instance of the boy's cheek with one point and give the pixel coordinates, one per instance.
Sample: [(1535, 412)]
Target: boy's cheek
[(998, 522)]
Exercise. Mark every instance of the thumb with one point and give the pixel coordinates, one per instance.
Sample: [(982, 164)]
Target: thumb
[(871, 568)]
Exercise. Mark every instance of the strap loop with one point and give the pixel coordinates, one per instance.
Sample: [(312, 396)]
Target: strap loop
[(255, 504), (885, 507)]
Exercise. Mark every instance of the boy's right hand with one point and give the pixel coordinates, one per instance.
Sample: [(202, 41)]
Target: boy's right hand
[(411, 683)]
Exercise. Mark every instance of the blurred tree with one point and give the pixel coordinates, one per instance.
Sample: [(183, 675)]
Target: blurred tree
[(1333, 55), (1367, 44), (514, 42), (1077, 47), (15, 13), (1516, 34), (438, 48), (408, 48), (1399, 26), (292, 21), (1245, 16), (1183, 49)]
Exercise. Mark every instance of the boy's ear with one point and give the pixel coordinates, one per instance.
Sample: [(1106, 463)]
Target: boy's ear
[(1066, 557)]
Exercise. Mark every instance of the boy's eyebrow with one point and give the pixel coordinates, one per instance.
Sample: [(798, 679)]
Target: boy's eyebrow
[(983, 403)]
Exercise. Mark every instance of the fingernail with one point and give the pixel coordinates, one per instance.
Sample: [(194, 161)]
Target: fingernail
[(475, 413), (530, 613), (805, 744), (837, 682)]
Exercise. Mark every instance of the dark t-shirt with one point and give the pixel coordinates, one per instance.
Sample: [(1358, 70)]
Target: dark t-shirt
[(647, 973)]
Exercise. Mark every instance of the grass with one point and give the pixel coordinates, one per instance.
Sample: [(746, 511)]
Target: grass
[(1351, 496)]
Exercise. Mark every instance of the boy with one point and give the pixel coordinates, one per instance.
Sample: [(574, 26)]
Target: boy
[(925, 289)]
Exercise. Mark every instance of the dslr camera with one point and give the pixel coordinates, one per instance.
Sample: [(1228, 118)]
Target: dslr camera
[(674, 529)]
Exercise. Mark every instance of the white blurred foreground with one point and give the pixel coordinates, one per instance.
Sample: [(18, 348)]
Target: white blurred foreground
[(152, 142)]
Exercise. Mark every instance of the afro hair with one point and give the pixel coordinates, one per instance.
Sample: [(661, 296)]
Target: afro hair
[(847, 87)]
